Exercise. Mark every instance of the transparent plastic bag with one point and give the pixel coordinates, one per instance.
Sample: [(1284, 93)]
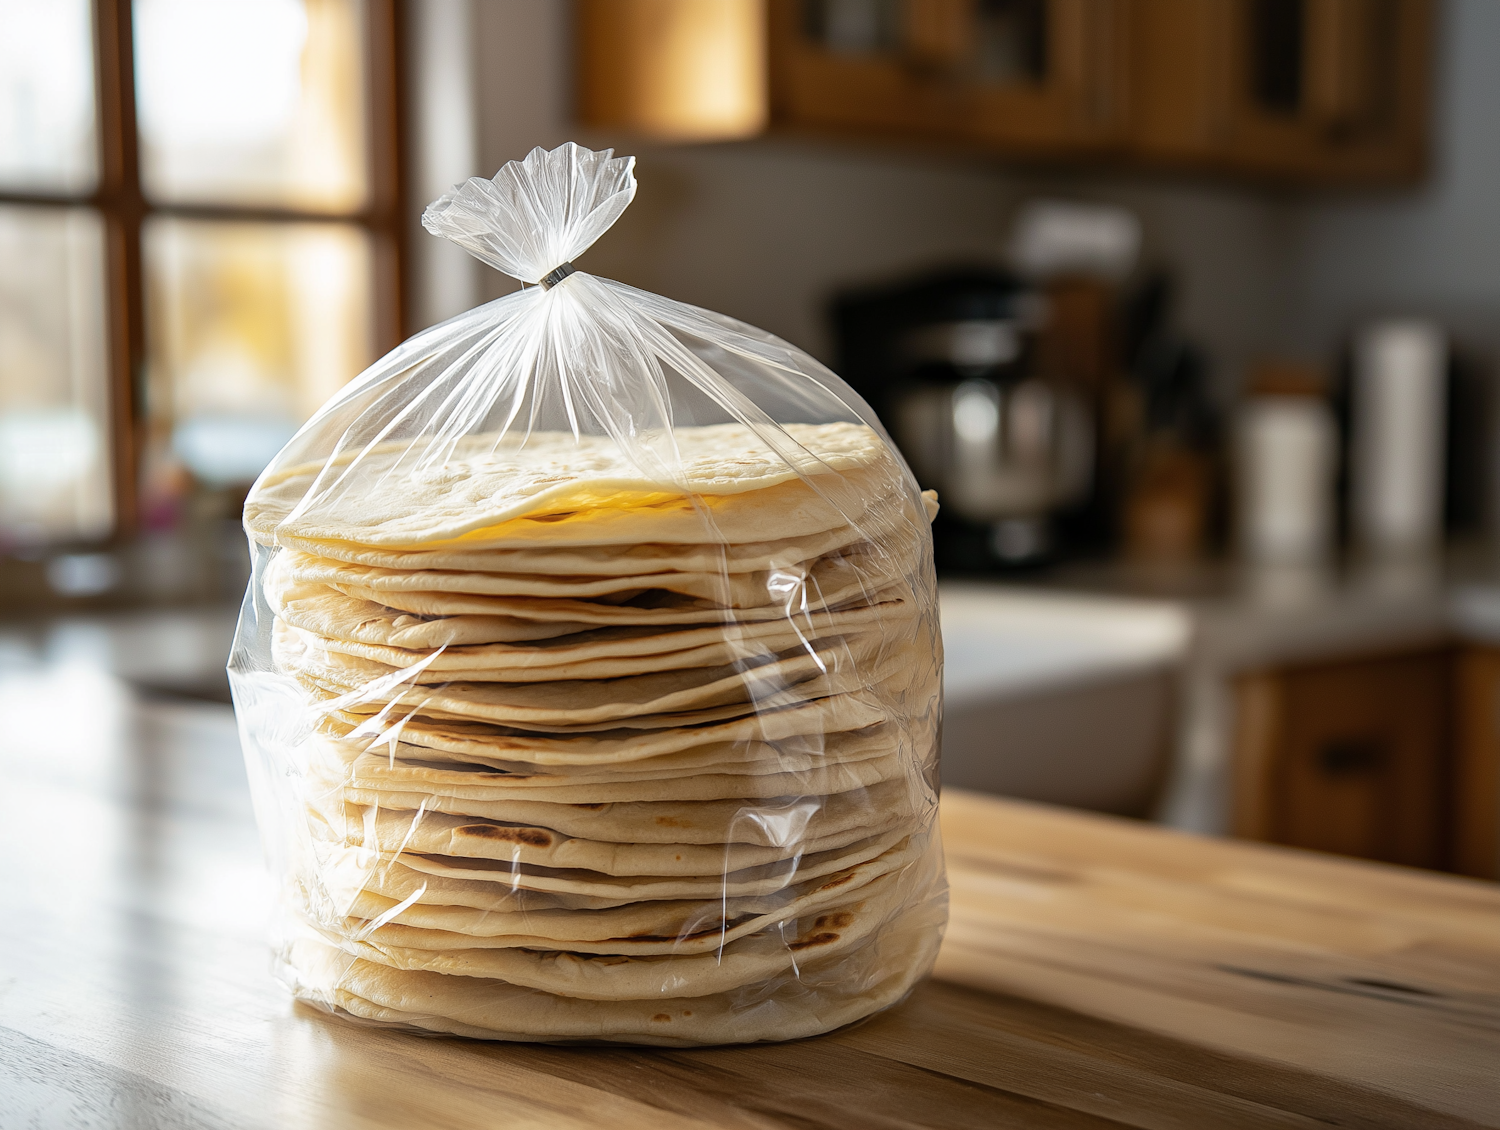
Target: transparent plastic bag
[(589, 674)]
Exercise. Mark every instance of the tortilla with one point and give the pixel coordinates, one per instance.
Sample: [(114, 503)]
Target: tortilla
[(809, 725), (733, 590), (467, 837), (822, 996), (396, 775), (593, 752), (732, 962), (607, 653), (836, 666), (766, 820), (347, 875), (607, 560), (490, 490), (511, 876), (833, 583)]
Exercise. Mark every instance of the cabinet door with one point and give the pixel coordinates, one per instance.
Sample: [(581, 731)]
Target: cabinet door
[(1476, 768), (1024, 76), (1311, 90), (1347, 757)]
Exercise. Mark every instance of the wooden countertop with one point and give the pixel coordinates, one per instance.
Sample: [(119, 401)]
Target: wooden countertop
[(1097, 973)]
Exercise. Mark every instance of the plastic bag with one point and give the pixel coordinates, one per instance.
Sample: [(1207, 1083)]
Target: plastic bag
[(589, 675)]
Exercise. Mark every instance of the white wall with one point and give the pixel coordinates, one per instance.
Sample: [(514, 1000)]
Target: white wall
[(766, 230), (442, 113), (1435, 250)]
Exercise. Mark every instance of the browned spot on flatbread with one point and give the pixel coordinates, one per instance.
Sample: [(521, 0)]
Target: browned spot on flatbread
[(661, 1016), (839, 920), (838, 882), (590, 807), (673, 822), (821, 939), (531, 837)]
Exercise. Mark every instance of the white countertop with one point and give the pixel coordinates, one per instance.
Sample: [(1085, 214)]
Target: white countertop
[(1211, 622), (1000, 641)]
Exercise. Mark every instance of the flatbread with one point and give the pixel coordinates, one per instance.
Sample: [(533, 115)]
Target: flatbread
[(823, 995), (468, 837), (606, 653), (377, 701), (836, 666), (832, 583), (412, 493), (749, 790), (799, 775), (807, 725), (334, 614), (653, 610), (346, 875), (732, 962), (605, 753), (732, 590), (719, 786), (639, 929), (510, 876), (736, 819), (606, 560)]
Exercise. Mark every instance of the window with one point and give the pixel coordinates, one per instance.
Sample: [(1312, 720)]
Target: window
[(199, 242)]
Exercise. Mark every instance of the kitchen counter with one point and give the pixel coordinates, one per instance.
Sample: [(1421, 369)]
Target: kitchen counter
[(1097, 972), (1240, 619)]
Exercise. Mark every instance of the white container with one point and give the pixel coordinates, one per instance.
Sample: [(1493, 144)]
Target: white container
[(1286, 455), (1400, 401)]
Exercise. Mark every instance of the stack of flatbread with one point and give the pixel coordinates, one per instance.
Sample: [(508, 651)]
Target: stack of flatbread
[(586, 757)]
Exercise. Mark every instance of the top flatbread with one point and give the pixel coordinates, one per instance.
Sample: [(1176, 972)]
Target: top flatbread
[(884, 520), (412, 493), (598, 561)]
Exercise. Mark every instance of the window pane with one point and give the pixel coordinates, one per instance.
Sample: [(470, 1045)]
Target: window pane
[(47, 96), (251, 327), (54, 385), (252, 101)]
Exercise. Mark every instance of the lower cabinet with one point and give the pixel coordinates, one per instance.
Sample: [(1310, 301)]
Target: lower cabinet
[(1392, 757), (1476, 762)]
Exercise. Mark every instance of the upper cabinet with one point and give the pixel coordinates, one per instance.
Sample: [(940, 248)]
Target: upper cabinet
[(1031, 77), (1309, 90), (1296, 90)]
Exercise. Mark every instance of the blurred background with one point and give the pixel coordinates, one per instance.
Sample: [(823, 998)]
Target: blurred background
[(1190, 310)]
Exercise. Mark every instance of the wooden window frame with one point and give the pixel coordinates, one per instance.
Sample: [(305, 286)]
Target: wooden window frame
[(123, 207)]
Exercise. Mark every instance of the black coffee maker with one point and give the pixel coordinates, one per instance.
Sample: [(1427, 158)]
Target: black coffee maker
[(949, 362)]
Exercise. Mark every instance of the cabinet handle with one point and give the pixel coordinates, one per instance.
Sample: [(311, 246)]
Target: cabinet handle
[(1350, 756)]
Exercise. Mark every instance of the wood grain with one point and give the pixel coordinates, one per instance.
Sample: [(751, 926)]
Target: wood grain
[(1349, 757), (1098, 973), (1364, 111), (1476, 769)]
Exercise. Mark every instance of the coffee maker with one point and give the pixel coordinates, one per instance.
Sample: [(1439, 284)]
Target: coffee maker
[(950, 362)]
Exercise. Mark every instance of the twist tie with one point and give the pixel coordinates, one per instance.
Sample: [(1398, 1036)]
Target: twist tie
[(556, 275)]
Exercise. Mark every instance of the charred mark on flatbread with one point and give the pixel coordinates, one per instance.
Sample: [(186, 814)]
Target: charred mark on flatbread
[(820, 939), (531, 837)]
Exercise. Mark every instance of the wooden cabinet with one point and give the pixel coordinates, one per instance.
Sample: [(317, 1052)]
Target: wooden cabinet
[(1302, 90), (1348, 757), (1476, 762), (1311, 90), (1032, 77), (1393, 757)]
